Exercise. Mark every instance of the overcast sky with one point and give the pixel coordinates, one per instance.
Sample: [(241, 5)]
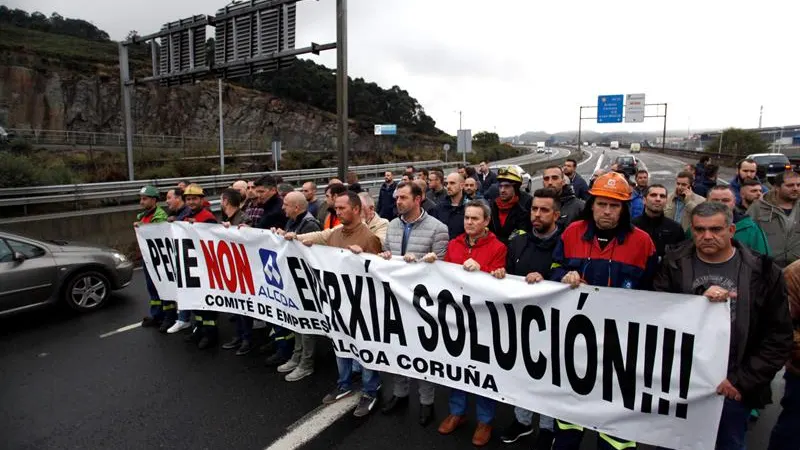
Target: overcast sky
[(522, 65)]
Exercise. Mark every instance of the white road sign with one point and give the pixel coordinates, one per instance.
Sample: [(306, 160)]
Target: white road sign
[(634, 108)]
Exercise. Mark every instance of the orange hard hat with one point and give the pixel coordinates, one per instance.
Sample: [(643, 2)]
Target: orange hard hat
[(611, 185)]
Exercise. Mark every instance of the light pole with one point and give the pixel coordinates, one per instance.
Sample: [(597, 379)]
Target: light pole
[(721, 133)]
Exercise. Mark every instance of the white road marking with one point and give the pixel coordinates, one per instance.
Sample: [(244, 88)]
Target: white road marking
[(314, 423), (121, 330), (138, 268)]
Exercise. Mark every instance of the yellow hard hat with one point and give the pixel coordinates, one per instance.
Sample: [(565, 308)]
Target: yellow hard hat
[(194, 189), (611, 185), (509, 173)]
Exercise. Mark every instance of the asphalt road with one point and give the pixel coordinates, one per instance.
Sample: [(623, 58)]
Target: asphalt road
[(62, 386)]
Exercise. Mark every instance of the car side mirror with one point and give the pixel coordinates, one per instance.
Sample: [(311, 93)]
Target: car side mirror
[(19, 257)]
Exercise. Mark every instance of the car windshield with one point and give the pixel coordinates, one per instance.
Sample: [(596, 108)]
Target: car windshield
[(771, 159), (625, 160)]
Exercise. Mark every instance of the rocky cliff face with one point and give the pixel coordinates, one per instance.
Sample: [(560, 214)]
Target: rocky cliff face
[(60, 99)]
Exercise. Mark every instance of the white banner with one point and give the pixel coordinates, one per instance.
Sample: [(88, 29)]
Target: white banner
[(638, 365)]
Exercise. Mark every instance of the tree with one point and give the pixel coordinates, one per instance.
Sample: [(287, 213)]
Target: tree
[(485, 139), (738, 142), (133, 34)]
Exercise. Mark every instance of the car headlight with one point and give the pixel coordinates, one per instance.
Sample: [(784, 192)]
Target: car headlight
[(119, 257)]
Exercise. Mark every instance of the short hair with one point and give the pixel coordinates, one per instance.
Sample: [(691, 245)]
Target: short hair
[(278, 179), (177, 192), (439, 174), (686, 174), (781, 177), (411, 166), (336, 189), (415, 190), (484, 161), (267, 181), (704, 159), (746, 160), (423, 171), (470, 171), (549, 193), (353, 199), (572, 160), (484, 207), (712, 170), (750, 182), (720, 187), (555, 166), (313, 185), (232, 196), (185, 181), (285, 188), (644, 171), (655, 186), (710, 209), (366, 199)]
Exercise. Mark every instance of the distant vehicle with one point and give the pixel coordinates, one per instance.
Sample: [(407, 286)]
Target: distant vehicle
[(527, 182), (627, 164), (38, 273), (540, 147), (594, 145), (636, 147), (770, 164), (585, 144), (548, 151), (614, 145)]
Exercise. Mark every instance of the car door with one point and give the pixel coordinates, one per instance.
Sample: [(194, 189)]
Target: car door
[(26, 281)]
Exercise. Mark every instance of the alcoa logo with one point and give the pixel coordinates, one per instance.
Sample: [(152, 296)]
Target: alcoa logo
[(611, 182), (271, 272)]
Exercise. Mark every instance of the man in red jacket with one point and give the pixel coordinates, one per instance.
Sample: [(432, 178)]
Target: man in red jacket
[(478, 249)]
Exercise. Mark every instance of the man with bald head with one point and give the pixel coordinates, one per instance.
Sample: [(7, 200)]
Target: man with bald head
[(241, 187), (309, 191), (427, 203)]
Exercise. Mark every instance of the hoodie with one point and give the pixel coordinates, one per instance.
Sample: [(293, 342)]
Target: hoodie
[(571, 207)]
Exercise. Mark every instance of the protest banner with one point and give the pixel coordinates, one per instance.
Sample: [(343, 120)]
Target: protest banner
[(637, 365)]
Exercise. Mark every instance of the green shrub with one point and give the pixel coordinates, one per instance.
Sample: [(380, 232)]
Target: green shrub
[(17, 171), (157, 172), (20, 146)]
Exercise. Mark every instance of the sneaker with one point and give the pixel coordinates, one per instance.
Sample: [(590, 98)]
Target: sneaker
[(165, 325), (336, 395), (206, 342), (365, 405), (257, 325), (232, 344), (178, 326), (288, 366), (298, 374), (194, 337), (244, 348), (515, 431)]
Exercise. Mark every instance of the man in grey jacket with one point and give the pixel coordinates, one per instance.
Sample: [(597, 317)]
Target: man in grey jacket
[(412, 235), (778, 215)]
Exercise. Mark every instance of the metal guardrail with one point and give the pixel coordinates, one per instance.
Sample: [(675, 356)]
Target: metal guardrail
[(130, 189)]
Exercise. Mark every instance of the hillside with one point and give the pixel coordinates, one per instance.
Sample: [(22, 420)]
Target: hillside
[(63, 74)]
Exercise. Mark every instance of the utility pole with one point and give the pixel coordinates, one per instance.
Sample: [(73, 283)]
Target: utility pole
[(760, 115), (221, 131), (460, 129), (341, 86), (721, 133), (125, 78)]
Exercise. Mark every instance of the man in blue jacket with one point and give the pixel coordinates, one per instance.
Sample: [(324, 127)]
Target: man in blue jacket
[(386, 205)]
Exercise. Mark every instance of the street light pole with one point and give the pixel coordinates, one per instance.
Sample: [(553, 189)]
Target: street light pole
[(221, 131), (341, 86), (722, 133)]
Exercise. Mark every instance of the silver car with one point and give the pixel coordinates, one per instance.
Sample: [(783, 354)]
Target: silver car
[(37, 273)]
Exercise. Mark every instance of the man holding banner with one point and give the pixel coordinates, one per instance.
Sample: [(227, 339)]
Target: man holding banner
[(413, 235), (722, 269), (355, 236), (603, 249), (477, 249)]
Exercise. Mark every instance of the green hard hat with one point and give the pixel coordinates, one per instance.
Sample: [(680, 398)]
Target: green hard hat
[(149, 191)]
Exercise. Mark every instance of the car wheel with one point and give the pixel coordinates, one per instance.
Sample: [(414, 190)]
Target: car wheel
[(87, 291)]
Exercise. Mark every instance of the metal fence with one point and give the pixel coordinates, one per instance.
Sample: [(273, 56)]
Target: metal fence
[(88, 138), (126, 190)]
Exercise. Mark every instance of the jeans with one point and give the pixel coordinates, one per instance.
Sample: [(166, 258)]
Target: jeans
[(525, 417), (733, 426), (244, 328), (370, 379), (784, 435), (485, 407), (184, 315)]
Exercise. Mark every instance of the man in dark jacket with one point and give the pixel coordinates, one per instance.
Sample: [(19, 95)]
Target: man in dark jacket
[(273, 216), (579, 185), (301, 362), (704, 184), (571, 206), (745, 170), (386, 207), (436, 191), (530, 255), (428, 204), (486, 177), (451, 211), (511, 209), (664, 231), (722, 269)]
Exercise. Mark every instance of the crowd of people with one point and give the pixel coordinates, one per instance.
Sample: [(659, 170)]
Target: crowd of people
[(739, 243)]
